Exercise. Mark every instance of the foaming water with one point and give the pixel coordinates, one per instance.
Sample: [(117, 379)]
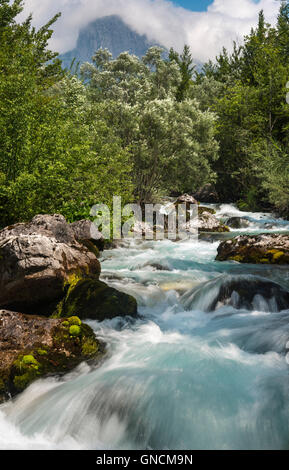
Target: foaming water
[(182, 376)]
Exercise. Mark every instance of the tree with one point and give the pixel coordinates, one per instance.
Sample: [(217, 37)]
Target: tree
[(171, 143), (56, 154), (187, 69), (251, 108)]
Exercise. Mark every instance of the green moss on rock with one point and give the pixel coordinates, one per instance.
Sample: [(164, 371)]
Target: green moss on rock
[(71, 344), (91, 298), (237, 258), (91, 247), (26, 369), (74, 330), (30, 360), (74, 321), (202, 209), (89, 347), (255, 249)]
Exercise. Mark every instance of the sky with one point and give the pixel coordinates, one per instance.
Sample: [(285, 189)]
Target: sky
[(194, 5), (205, 25)]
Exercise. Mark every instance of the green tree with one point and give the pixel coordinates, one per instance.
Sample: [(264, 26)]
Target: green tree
[(187, 70), (171, 143), (251, 108), (57, 155)]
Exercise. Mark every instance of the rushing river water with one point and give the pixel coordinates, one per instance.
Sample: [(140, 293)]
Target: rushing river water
[(180, 377)]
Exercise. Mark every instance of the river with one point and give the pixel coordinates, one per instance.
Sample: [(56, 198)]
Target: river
[(179, 377)]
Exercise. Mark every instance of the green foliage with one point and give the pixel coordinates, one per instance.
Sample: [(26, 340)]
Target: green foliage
[(170, 139), (57, 154), (187, 69), (247, 90), (140, 128)]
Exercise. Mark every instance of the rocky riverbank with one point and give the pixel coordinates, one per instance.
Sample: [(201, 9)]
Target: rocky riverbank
[(49, 283)]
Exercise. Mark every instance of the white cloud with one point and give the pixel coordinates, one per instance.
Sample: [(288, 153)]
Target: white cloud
[(206, 32)]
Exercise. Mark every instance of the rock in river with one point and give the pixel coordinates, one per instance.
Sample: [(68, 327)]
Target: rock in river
[(237, 222), (43, 261), (32, 347), (259, 249), (206, 222), (248, 292), (93, 299), (86, 233), (37, 260)]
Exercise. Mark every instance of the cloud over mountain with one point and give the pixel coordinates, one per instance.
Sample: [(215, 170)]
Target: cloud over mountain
[(162, 21)]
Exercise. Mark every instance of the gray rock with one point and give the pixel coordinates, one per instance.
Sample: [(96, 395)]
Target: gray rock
[(186, 199), (259, 249), (206, 222), (237, 222), (37, 260), (85, 231)]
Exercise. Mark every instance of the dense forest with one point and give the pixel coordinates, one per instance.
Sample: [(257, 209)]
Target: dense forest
[(140, 128)]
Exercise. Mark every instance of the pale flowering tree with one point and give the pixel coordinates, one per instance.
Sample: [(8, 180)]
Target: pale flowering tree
[(171, 143)]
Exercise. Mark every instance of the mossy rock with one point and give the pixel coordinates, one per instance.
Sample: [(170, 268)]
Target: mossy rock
[(206, 209), (256, 249), (71, 345), (91, 247), (56, 346), (94, 299)]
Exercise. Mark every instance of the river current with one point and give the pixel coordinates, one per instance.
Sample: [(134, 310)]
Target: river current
[(180, 376)]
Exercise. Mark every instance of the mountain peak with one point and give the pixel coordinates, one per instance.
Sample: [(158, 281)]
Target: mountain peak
[(107, 32)]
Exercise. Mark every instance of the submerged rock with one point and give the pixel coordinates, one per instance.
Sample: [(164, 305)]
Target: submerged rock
[(37, 260), (248, 292), (259, 249), (237, 222), (32, 347), (93, 299), (255, 294), (156, 266)]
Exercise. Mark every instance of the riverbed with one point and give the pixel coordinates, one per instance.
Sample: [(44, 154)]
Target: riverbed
[(180, 376)]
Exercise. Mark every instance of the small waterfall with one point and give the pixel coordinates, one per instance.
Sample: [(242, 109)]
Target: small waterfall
[(245, 291)]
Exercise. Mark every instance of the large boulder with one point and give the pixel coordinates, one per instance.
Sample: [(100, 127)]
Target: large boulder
[(38, 260), (186, 200), (47, 225), (86, 233), (207, 194), (93, 299), (206, 222), (32, 347), (260, 249)]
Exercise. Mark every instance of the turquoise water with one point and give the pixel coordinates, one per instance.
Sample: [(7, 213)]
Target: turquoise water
[(179, 377)]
